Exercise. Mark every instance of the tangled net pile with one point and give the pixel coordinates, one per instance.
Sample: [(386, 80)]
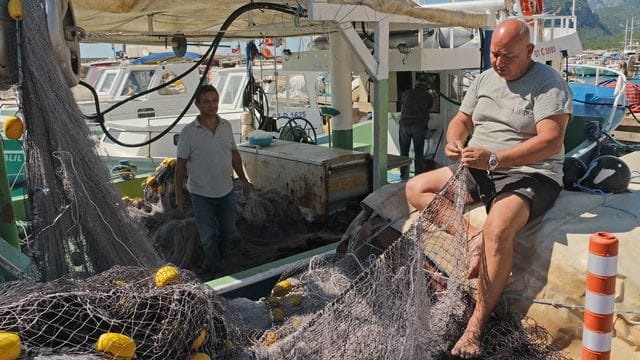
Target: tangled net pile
[(270, 226), (79, 223), (67, 317), (400, 304)]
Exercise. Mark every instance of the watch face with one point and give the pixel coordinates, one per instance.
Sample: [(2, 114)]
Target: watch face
[(493, 161)]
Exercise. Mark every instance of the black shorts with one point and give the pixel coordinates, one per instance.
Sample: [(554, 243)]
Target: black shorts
[(540, 190)]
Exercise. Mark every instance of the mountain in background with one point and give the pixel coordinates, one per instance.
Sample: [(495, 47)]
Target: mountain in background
[(600, 4), (601, 23)]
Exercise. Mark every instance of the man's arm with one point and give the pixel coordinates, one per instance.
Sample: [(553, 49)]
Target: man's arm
[(181, 171), (547, 142), (236, 162)]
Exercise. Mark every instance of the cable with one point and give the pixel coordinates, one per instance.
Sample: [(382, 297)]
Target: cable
[(99, 116)]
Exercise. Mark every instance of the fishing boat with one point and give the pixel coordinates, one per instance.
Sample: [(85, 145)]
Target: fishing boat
[(116, 84), (287, 98), (599, 107), (396, 69)]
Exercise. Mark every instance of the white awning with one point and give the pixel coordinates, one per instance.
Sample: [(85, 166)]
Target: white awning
[(157, 21)]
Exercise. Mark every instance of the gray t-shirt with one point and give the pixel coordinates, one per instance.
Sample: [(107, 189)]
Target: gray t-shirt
[(505, 113), (208, 154)]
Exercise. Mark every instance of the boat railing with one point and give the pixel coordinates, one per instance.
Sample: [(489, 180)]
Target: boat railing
[(619, 90), (553, 25)]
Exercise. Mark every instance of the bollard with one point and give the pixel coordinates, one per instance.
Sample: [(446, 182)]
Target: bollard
[(602, 268)]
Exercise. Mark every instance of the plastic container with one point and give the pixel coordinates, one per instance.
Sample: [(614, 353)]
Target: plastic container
[(260, 141)]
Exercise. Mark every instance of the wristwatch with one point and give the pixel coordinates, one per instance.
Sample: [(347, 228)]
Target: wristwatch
[(493, 161)]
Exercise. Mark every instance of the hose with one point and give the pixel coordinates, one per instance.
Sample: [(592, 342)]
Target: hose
[(209, 54)]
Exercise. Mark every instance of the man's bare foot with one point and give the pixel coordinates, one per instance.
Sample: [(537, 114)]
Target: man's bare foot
[(468, 346), (475, 251)]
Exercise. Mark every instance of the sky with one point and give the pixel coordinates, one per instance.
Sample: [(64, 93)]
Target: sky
[(98, 50), (106, 50)]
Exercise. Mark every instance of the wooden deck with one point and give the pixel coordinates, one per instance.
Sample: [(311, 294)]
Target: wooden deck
[(628, 130)]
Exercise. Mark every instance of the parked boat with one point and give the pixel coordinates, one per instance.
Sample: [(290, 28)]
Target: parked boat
[(446, 65), (599, 107), (286, 97)]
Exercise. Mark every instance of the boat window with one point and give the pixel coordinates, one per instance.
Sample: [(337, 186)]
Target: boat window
[(286, 91), (93, 75), (323, 89), (176, 87), (231, 89), (219, 80), (137, 81), (106, 82), (298, 91)]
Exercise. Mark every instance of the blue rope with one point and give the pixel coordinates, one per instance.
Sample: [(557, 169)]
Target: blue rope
[(605, 195)]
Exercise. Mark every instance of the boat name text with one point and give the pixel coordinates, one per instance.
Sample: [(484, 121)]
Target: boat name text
[(293, 114), (544, 51)]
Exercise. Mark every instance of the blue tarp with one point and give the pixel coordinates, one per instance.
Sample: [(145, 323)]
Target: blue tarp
[(159, 57)]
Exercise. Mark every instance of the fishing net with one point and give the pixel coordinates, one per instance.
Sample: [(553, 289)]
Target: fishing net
[(65, 316), (383, 296), (388, 296), (79, 224), (395, 299), (270, 225)]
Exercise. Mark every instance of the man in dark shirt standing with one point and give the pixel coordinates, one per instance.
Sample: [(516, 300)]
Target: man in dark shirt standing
[(414, 117)]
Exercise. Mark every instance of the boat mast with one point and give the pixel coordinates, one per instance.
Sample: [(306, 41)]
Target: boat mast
[(626, 32), (631, 36)]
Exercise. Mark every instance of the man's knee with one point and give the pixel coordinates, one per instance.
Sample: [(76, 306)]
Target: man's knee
[(414, 187)]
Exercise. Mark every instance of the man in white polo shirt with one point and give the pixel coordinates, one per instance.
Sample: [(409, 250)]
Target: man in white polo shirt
[(207, 156)]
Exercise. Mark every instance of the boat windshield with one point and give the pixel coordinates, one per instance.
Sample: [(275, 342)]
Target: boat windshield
[(137, 81), (289, 90)]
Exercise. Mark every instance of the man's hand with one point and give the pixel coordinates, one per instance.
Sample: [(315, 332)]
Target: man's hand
[(180, 199), (246, 187), (453, 150), (477, 158)]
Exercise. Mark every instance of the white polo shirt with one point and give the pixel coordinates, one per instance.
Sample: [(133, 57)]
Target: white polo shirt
[(208, 155)]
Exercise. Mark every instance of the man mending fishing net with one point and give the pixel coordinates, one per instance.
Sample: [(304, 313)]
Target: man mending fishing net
[(514, 117)]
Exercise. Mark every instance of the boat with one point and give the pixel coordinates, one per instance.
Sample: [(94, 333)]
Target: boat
[(445, 64), (117, 83), (288, 98), (599, 107)]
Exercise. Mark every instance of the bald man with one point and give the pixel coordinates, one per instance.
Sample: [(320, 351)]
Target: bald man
[(509, 135)]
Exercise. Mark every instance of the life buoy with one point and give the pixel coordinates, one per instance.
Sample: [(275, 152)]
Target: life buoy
[(531, 7)]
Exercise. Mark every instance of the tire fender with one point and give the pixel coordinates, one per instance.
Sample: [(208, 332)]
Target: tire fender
[(65, 37)]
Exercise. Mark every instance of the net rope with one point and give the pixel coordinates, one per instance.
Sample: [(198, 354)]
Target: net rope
[(74, 209)]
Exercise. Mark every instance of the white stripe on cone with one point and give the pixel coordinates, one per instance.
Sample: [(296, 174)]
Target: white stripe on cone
[(599, 304), (595, 341), (602, 265)]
